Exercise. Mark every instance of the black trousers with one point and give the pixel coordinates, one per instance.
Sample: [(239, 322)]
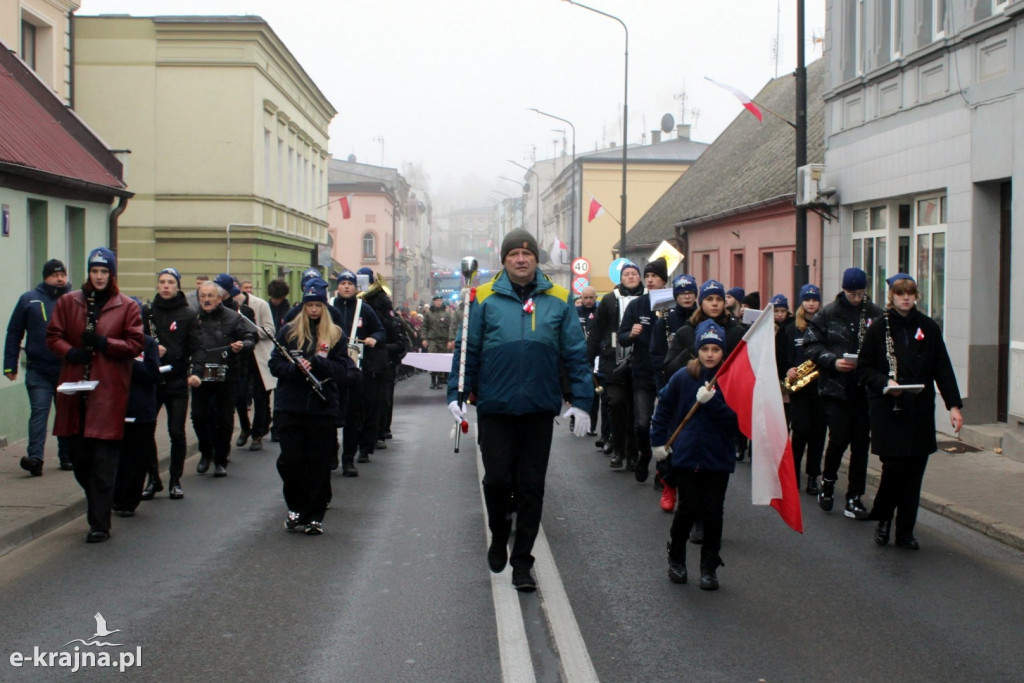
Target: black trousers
[(515, 451), (701, 499), (213, 419), (807, 412), (848, 426), (138, 450), (307, 446), (387, 401), (620, 408), (177, 411), (899, 492), (643, 409), (95, 466), (252, 387)]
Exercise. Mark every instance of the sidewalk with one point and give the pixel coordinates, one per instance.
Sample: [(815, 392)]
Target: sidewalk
[(980, 490)]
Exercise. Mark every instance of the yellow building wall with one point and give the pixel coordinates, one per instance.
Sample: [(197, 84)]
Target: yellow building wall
[(50, 17), (644, 186)]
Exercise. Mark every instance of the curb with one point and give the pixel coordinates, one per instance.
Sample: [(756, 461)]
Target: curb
[(70, 509)]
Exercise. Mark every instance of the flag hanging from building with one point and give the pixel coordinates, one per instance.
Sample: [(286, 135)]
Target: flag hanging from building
[(741, 96), (595, 209), (559, 253), (346, 209), (749, 383)]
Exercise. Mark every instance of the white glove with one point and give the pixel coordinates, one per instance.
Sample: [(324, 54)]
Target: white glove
[(582, 421), (661, 452), (458, 413), (704, 394)]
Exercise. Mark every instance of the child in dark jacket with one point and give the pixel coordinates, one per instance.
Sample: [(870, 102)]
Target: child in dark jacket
[(702, 457), (138, 447)]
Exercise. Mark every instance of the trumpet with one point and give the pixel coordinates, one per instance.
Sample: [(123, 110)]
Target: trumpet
[(806, 372), (377, 286)]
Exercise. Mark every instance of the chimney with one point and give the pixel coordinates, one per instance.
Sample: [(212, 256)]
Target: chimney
[(655, 137), (683, 131)]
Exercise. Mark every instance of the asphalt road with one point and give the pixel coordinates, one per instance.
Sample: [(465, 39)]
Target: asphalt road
[(397, 587)]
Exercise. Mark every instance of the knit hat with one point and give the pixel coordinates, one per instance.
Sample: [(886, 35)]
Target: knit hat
[(854, 279), (658, 267), (368, 272), (780, 301), (709, 332), (53, 266), (519, 239), (227, 283), (173, 272), (629, 264), (810, 291), (684, 283), (315, 290), (899, 276), (308, 274), (104, 258), (736, 293), (437, 295), (710, 287), (752, 300), (346, 276)]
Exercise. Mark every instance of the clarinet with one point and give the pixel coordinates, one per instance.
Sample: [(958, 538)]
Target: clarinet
[(90, 326), (890, 357), (314, 384), (152, 323)]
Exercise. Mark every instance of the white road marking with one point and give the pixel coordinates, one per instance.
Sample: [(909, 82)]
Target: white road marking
[(516, 661)]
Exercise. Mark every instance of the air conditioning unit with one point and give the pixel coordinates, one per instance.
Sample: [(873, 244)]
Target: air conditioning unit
[(810, 179)]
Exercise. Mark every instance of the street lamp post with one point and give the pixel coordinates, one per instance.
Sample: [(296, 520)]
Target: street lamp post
[(536, 190), (625, 119), (575, 230)]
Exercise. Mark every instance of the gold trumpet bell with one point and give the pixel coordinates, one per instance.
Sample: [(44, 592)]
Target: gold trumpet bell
[(806, 372)]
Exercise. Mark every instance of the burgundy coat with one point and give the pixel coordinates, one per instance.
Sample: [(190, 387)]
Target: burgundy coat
[(121, 323)]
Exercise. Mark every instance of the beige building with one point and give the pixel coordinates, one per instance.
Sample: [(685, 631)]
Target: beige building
[(41, 31), (228, 141)]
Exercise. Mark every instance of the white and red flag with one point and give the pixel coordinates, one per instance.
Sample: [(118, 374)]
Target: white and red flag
[(749, 382), (346, 208), (595, 209), (741, 96)]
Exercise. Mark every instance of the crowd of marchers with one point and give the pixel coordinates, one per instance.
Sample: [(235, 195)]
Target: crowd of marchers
[(109, 364)]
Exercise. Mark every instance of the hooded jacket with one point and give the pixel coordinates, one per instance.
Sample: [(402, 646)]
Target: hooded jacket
[(516, 349), (29, 319)]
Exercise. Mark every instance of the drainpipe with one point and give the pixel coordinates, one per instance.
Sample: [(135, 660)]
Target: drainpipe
[(122, 205)]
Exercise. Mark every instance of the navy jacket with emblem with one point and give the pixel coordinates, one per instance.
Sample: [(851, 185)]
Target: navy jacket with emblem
[(29, 319)]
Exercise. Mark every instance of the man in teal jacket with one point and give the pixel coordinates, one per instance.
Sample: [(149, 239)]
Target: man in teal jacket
[(524, 337)]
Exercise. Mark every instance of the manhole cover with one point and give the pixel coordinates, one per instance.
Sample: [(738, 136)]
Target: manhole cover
[(957, 447)]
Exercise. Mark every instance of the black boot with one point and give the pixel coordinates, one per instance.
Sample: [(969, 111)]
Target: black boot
[(709, 562), (348, 468), (154, 487), (677, 564), (882, 532)]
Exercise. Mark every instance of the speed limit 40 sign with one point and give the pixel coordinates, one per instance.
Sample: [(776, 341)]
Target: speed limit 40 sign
[(580, 266)]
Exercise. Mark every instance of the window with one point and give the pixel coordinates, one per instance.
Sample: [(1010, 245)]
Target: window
[(767, 273), (737, 269), (38, 244), (28, 44), (369, 247), (870, 226), (930, 250), (74, 221), (938, 19), (705, 267), (896, 28)]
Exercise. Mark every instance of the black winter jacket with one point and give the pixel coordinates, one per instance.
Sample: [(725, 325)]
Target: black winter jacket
[(336, 372), (836, 330), (211, 336), (606, 328), (145, 376), (170, 323)]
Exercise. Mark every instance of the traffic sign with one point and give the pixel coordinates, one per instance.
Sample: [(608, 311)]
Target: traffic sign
[(615, 269), (580, 266), (578, 284)]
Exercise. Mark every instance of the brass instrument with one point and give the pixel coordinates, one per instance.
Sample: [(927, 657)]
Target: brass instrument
[(806, 372), (378, 285)]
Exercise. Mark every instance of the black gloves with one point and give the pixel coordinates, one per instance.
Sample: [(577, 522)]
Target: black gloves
[(94, 341), (78, 356)]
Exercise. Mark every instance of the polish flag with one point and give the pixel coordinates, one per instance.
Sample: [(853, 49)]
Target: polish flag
[(741, 96), (559, 252), (346, 209), (750, 386), (595, 210)]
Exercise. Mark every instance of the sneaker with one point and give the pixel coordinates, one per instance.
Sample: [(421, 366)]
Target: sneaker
[(855, 509), (314, 529), (257, 443), (380, 445), (349, 470), (220, 471), (826, 496), (176, 492), (292, 521), (523, 581), (812, 486), (676, 572), (33, 466), (65, 466), (363, 457), (668, 500)]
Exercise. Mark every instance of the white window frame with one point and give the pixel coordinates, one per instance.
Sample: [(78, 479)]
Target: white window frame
[(939, 23), (999, 5), (925, 281), (875, 236), (896, 29), (369, 247)]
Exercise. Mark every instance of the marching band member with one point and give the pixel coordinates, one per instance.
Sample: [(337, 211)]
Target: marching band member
[(904, 347), (307, 424)]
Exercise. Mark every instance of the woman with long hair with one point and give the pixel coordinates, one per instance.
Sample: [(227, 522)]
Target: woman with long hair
[(902, 348), (806, 408), (702, 456), (307, 404)]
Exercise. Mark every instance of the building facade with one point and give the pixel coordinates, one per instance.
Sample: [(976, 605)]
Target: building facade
[(228, 142), (922, 99)]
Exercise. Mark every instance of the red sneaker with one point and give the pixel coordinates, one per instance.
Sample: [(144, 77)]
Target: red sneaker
[(668, 498)]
